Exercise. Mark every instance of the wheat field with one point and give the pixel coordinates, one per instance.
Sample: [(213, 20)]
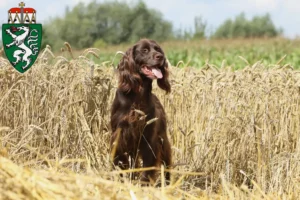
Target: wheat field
[(234, 133)]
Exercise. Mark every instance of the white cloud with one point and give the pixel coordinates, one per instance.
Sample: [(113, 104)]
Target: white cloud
[(3, 3), (250, 5), (266, 4), (292, 6), (181, 12), (7, 4)]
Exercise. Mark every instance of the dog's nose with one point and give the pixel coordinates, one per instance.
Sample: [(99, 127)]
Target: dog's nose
[(158, 56)]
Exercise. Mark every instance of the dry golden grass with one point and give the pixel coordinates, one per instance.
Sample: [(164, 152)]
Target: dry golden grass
[(234, 134)]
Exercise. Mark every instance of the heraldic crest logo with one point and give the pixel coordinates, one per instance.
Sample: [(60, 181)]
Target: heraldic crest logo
[(22, 37)]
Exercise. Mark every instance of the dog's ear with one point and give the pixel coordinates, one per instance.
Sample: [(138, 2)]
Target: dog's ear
[(129, 78), (163, 83)]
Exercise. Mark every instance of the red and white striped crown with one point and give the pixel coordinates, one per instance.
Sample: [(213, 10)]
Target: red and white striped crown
[(21, 15)]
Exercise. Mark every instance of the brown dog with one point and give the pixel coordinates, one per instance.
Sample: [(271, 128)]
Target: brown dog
[(133, 136)]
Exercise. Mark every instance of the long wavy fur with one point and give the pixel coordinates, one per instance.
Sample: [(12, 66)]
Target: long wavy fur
[(163, 83), (129, 77)]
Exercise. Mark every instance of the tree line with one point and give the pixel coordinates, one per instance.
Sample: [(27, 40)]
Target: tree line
[(99, 24)]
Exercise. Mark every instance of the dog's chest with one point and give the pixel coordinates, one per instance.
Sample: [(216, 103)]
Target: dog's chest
[(141, 113)]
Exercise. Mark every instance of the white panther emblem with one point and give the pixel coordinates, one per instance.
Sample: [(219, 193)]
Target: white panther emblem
[(19, 41)]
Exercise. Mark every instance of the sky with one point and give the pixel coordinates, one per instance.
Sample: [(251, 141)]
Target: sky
[(284, 13)]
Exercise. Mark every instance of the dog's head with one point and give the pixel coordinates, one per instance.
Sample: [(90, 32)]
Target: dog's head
[(145, 60)]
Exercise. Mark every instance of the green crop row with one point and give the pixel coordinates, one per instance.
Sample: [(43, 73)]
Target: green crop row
[(197, 53)]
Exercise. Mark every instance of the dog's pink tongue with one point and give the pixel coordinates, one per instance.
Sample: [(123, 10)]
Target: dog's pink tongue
[(157, 73)]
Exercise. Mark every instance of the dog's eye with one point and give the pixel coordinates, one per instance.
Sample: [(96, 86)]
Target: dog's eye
[(157, 49), (145, 50)]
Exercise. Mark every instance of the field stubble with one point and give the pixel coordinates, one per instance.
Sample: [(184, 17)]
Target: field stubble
[(234, 134)]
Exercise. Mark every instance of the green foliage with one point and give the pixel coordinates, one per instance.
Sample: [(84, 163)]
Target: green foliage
[(183, 34), (268, 51), (200, 28), (195, 53), (51, 34), (240, 27), (100, 44), (112, 22)]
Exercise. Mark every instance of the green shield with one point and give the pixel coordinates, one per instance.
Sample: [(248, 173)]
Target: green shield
[(22, 44)]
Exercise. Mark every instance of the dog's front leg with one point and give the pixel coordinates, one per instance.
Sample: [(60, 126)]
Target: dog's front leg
[(150, 155)]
